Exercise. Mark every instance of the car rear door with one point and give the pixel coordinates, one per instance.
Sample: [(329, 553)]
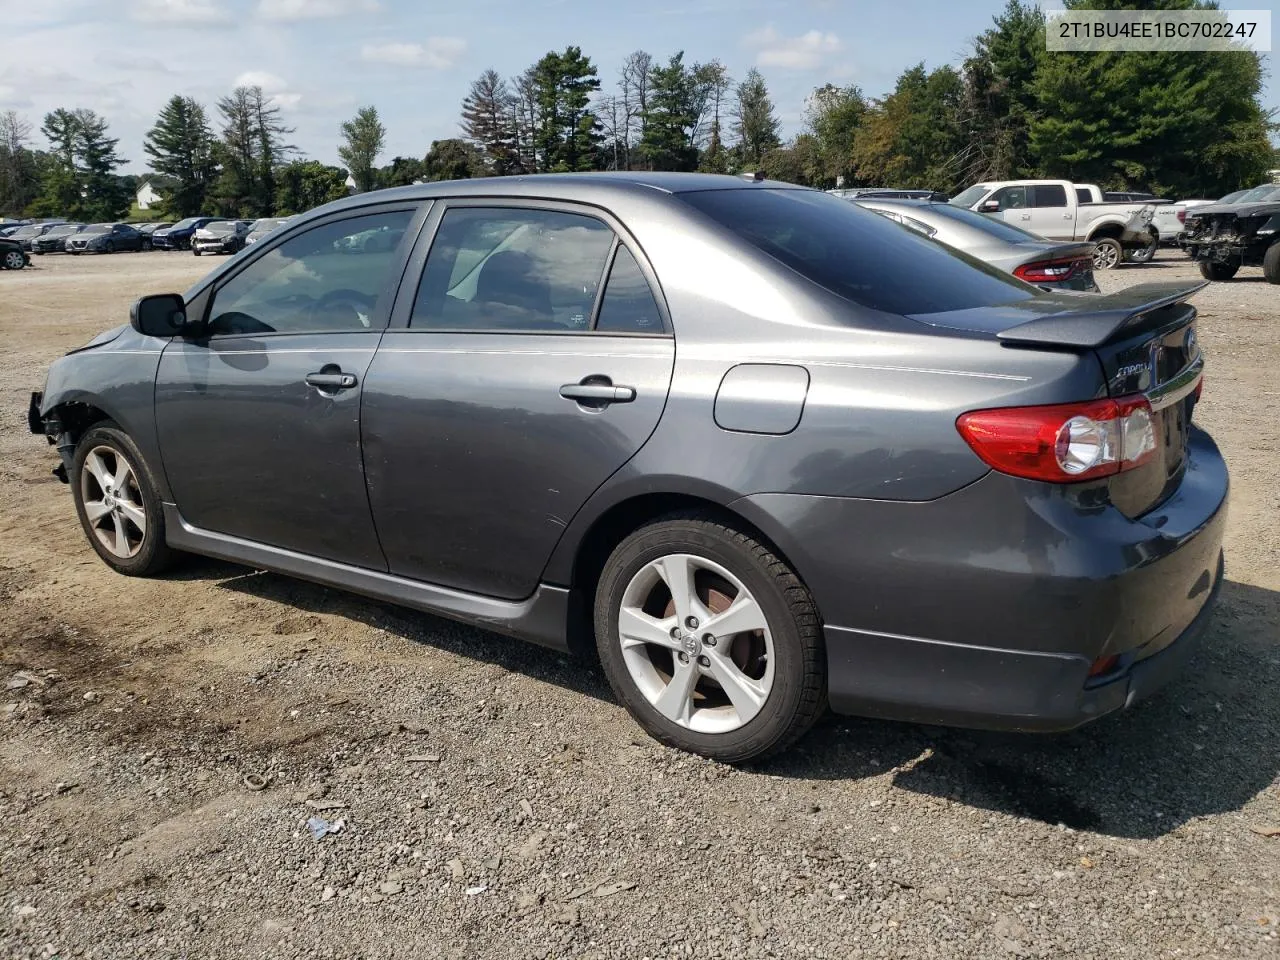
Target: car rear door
[(259, 417), (1052, 212), (529, 361)]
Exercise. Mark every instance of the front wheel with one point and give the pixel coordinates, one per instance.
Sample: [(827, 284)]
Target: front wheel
[(117, 503), (1271, 263), (109, 247), (144, 246), (196, 251), (1217, 270), (1107, 253), (14, 260), (710, 640)]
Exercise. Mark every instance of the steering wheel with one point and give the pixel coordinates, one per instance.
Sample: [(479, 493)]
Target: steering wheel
[(343, 309)]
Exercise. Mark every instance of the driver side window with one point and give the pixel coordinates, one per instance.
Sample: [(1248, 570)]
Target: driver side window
[(324, 280), (1011, 198)]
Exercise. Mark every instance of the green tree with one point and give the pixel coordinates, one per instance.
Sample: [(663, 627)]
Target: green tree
[(489, 121), (401, 172), (833, 117), (670, 117), (19, 170), (453, 159), (1176, 122), (304, 184), (566, 130), (754, 122), (181, 148), (79, 179), (251, 148), (716, 83), (363, 137), (913, 137)]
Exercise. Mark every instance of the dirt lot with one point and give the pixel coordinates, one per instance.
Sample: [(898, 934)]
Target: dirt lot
[(497, 803)]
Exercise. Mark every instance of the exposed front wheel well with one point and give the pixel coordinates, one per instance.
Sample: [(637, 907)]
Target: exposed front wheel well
[(74, 418), (614, 526)]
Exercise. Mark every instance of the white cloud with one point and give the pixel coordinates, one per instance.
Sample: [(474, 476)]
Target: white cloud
[(807, 51), (439, 53), (291, 10), (178, 11)]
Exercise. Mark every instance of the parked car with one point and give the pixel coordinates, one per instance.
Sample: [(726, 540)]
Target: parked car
[(888, 193), (260, 228), (1225, 236), (10, 228), (148, 229), (178, 236), (1004, 246), (1166, 222), (54, 240), (12, 256), (25, 235), (1052, 209), (220, 236), (105, 238), (757, 447)]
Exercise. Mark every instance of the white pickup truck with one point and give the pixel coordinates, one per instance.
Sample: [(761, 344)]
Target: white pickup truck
[(1169, 220), (1053, 209)]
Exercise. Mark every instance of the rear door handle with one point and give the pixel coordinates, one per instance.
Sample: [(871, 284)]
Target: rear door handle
[(600, 394), (332, 381), (1026, 216)]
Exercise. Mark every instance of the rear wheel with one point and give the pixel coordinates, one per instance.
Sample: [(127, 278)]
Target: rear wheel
[(144, 246), (117, 503), (1271, 263), (109, 247), (14, 260), (710, 640), (1217, 270), (1107, 253)]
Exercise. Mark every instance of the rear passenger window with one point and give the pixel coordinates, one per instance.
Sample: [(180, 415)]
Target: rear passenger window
[(1083, 196), (507, 269), (628, 305), (1050, 195)]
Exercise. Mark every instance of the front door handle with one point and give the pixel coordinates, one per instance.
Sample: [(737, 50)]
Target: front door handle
[(597, 392), (327, 380)]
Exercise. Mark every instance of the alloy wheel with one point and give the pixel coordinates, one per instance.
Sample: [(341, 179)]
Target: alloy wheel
[(1105, 256), (13, 260), (113, 502), (696, 643)]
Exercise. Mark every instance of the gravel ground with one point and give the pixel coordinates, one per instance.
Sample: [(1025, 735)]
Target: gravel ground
[(163, 744)]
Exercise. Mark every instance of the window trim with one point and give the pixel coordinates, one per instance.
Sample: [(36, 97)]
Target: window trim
[(403, 310), (419, 209)]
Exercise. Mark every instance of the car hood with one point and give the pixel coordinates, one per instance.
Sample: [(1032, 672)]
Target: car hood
[(105, 337)]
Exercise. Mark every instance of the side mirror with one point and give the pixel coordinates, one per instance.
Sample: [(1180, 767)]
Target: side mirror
[(990, 206), (159, 315)]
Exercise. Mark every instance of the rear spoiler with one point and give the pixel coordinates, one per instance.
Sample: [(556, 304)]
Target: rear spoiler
[(1098, 319)]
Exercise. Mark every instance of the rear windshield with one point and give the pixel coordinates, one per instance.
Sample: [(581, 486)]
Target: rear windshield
[(857, 254), (980, 221)]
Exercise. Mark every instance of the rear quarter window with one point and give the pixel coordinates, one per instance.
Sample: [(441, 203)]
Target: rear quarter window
[(857, 254)]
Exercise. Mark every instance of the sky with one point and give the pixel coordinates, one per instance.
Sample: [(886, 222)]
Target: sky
[(415, 59)]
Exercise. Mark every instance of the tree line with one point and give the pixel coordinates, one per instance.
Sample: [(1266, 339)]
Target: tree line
[(1175, 123)]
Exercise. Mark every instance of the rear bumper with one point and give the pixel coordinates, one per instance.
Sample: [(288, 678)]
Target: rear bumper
[(987, 607)]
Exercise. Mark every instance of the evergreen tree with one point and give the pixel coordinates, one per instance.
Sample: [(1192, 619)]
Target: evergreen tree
[(716, 83), (104, 196), (19, 171), (251, 148), (453, 159), (754, 122), (272, 150), (670, 116), (363, 138), (181, 148), (489, 121), (567, 135)]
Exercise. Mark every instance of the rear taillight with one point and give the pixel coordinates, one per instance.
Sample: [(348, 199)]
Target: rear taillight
[(1063, 443), (1049, 271), (1182, 216)]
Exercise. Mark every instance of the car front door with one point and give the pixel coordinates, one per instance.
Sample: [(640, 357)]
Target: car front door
[(259, 416), (533, 361)]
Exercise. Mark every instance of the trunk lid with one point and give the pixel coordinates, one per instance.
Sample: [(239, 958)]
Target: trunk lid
[(1145, 341)]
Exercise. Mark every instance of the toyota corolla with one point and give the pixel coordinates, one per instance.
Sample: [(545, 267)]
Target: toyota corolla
[(756, 449)]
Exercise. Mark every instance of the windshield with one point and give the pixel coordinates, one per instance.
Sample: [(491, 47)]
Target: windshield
[(857, 254), (64, 230), (220, 226), (1257, 193), (24, 232), (98, 228), (184, 224), (265, 226), (988, 225), (967, 198)]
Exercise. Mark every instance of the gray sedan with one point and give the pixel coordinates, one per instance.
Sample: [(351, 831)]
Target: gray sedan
[(752, 447), (1046, 263)]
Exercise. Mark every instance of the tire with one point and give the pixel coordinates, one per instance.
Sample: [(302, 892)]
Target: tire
[(141, 552), (144, 246), (778, 671), (196, 251), (13, 260), (1145, 254), (1217, 270), (109, 247), (1107, 253), (1271, 263)]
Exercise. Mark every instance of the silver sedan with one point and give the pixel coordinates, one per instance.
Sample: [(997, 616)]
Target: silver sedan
[(1030, 257)]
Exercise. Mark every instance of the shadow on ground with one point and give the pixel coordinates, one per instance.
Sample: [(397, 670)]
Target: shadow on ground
[(1206, 744)]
